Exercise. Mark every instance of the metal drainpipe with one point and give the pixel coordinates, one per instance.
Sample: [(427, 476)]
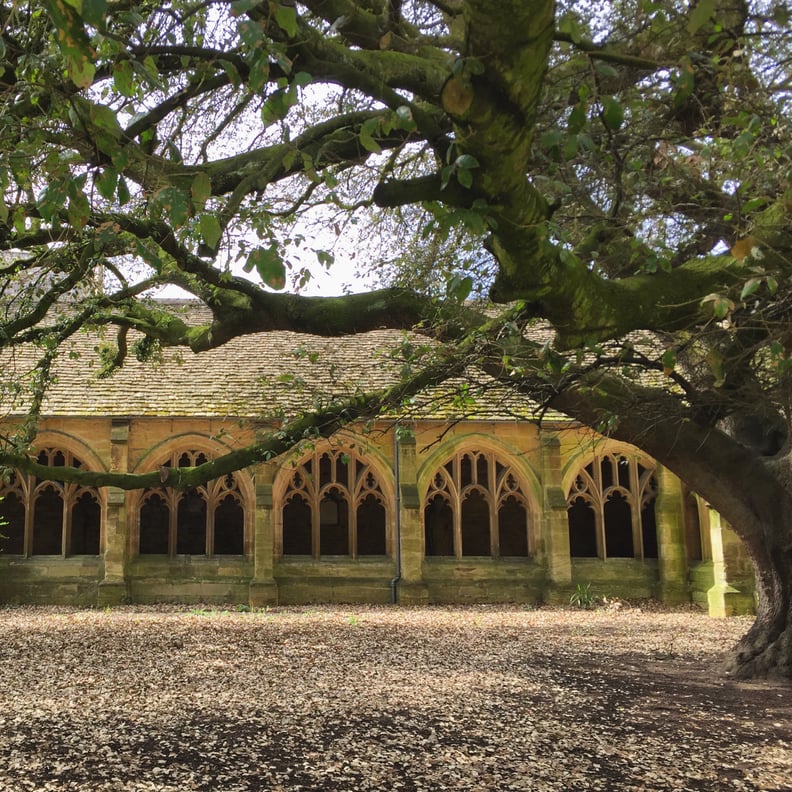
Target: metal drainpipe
[(394, 597)]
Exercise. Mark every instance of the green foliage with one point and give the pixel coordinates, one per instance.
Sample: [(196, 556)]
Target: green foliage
[(72, 38), (462, 169), (148, 350), (701, 13), (582, 597), (268, 264)]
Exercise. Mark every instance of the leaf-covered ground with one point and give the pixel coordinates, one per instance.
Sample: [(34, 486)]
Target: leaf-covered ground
[(349, 698)]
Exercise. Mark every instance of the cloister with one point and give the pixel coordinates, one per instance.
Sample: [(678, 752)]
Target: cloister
[(487, 506)]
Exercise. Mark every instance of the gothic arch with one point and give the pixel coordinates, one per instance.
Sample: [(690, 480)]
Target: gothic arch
[(335, 500), (213, 519), (53, 517), (477, 501), (610, 504)]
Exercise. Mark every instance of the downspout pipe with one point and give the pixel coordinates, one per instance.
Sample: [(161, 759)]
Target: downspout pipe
[(394, 591)]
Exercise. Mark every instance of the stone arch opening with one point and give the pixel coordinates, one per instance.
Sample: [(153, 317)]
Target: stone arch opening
[(475, 505), (333, 504), (50, 517), (610, 509), (206, 521)]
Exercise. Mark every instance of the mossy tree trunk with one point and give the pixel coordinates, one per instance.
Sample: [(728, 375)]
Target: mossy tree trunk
[(751, 491)]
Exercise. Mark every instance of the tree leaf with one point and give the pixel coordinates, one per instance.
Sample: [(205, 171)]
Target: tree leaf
[(123, 191), (459, 287), (258, 71), (93, 12), (466, 161), (577, 118), (722, 306), (742, 248), (404, 118), (210, 230), (123, 74), (366, 135), (668, 360), (612, 113), (605, 69), (465, 178), (239, 7), (148, 254), (81, 70), (79, 207), (286, 17), (325, 257), (73, 42), (201, 189), (233, 73), (106, 181), (174, 203), (715, 362), (269, 265), (701, 14), (751, 286)]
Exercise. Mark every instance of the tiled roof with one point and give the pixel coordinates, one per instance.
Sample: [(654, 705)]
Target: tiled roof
[(260, 375)]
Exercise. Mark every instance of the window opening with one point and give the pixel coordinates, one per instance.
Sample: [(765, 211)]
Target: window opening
[(333, 523), (618, 519), (342, 514), (693, 540), (203, 521), (512, 519), (12, 511), (475, 506), (49, 517), (475, 524), (154, 525), (229, 527), (191, 523), (582, 529), (611, 509), (371, 538), (297, 539), (48, 522), (439, 525), (85, 525)]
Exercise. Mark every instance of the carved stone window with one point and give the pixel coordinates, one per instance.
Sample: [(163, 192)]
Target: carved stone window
[(334, 506), (50, 517), (611, 509), (203, 521), (476, 506)]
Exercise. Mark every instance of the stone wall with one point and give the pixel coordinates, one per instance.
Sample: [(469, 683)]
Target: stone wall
[(543, 466)]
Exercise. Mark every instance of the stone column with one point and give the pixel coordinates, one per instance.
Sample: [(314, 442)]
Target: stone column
[(672, 555), (411, 588), (732, 591), (263, 588), (112, 589), (553, 523)]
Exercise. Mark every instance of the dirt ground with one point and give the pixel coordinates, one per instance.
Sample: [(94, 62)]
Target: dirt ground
[(348, 698)]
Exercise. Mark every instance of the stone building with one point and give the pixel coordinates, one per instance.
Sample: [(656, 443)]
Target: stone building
[(466, 501)]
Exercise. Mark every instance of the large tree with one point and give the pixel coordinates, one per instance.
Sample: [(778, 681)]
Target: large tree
[(617, 170)]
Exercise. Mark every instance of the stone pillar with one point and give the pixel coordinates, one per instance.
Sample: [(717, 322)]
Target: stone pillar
[(732, 591), (411, 588), (263, 588), (670, 520), (113, 587), (553, 523)]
